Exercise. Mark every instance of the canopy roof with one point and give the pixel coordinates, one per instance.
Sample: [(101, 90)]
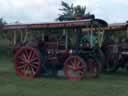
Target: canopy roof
[(71, 24), (62, 24)]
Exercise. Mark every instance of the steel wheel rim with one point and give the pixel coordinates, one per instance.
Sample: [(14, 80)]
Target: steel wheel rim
[(74, 68), (27, 62)]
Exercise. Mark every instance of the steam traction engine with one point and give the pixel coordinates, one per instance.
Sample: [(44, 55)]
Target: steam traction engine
[(68, 45)]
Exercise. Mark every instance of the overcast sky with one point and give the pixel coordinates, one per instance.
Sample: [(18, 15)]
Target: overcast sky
[(29, 11)]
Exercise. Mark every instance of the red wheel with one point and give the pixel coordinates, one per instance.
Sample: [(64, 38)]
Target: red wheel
[(74, 68), (93, 68), (27, 62)]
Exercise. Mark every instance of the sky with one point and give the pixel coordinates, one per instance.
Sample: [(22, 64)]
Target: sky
[(34, 11)]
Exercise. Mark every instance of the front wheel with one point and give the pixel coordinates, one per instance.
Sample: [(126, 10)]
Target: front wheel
[(74, 68)]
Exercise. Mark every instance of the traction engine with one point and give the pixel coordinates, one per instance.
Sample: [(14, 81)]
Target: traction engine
[(56, 50)]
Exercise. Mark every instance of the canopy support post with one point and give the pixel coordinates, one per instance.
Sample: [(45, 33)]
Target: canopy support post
[(14, 37)]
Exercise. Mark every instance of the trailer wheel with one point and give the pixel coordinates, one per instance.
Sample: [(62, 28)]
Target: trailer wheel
[(27, 62), (74, 68), (94, 67)]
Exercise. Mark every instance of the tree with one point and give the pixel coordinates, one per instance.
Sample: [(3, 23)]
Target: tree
[(79, 10), (69, 11), (2, 23)]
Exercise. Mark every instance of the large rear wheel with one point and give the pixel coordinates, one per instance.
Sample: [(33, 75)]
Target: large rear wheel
[(27, 62)]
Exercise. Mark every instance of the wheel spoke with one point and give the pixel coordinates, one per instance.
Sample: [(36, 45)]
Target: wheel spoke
[(21, 63), (71, 62), (30, 55), (78, 63), (25, 68), (26, 54), (27, 71), (32, 70), (20, 58), (80, 67), (75, 61), (70, 66), (34, 66), (35, 63), (21, 67), (34, 59)]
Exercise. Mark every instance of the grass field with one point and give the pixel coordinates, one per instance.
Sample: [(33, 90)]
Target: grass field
[(107, 85)]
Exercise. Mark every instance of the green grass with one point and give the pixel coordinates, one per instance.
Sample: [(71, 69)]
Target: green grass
[(106, 85)]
